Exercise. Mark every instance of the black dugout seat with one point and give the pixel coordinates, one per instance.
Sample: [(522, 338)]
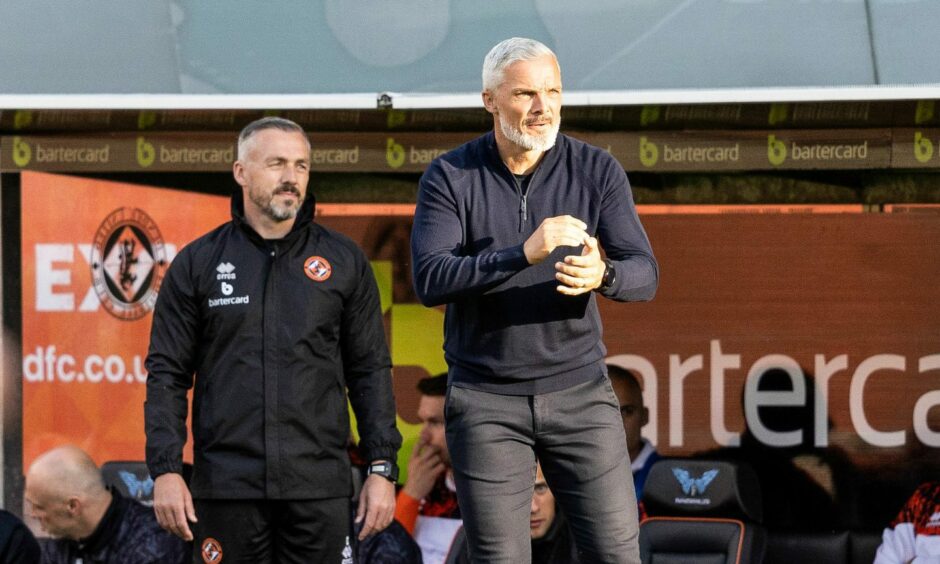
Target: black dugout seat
[(702, 512), (836, 547)]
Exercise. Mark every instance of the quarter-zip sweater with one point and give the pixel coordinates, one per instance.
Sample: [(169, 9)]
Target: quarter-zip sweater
[(507, 329), (271, 334)]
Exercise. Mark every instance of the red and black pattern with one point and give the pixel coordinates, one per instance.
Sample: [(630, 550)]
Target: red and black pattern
[(922, 510), (441, 502)]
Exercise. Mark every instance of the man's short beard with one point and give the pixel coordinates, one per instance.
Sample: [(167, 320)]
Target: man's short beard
[(278, 212), (271, 208), (540, 143)]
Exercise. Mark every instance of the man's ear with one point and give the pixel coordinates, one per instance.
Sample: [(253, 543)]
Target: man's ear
[(74, 505), (489, 102), (238, 171), (645, 417)]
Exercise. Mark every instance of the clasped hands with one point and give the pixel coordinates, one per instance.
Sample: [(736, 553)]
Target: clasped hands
[(577, 274)]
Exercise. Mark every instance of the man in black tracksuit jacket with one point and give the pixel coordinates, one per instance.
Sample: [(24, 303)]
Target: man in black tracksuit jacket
[(276, 317)]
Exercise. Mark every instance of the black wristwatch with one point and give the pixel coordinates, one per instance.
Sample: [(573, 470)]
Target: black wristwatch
[(386, 469), (610, 276)]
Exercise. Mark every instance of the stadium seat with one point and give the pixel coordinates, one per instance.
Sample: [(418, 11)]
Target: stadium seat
[(702, 511), (789, 547), (458, 548), (836, 547)]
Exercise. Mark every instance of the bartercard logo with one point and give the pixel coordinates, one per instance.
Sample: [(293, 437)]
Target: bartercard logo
[(22, 152), (394, 153), (923, 147), (649, 152)]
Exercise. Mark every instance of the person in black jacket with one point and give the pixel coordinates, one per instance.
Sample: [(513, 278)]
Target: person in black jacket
[(17, 543), (88, 523), (274, 319), (552, 541), (508, 232)]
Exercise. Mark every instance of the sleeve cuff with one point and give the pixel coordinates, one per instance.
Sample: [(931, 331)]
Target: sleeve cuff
[(406, 511)]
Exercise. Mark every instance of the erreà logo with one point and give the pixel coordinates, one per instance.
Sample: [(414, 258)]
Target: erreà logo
[(923, 148), (226, 271), (776, 150), (649, 152), (146, 154), (394, 153), (22, 152)]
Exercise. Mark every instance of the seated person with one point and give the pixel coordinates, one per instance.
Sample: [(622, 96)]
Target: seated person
[(89, 523), (552, 541), (427, 505), (17, 543), (794, 498), (391, 545), (635, 416), (914, 535)]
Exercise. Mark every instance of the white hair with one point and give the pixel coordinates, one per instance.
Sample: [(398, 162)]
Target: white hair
[(507, 52)]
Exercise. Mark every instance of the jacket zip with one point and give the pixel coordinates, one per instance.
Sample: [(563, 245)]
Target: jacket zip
[(523, 196)]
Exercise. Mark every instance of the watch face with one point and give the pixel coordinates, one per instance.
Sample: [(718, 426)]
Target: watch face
[(386, 469)]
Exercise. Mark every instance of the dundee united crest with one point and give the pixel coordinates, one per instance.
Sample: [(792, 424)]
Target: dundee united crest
[(317, 269), (211, 551), (128, 261)]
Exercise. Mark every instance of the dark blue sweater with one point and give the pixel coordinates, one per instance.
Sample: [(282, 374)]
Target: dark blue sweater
[(507, 329)]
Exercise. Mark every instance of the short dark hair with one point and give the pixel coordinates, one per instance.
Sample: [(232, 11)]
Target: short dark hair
[(270, 122), (620, 373), (433, 385)]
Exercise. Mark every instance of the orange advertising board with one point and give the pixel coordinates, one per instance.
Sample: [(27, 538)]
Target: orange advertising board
[(93, 256), (845, 297)]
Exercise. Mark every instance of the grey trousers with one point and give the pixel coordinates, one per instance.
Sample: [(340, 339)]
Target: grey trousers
[(577, 435)]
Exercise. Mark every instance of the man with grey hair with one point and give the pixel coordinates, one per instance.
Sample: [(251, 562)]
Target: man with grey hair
[(272, 319), (88, 523), (508, 233)]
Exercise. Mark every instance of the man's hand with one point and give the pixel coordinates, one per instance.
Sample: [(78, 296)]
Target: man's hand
[(563, 230), (376, 505), (424, 468), (173, 505), (582, 273)]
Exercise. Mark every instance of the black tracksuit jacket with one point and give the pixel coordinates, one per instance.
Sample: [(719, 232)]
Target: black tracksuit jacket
[(272, 333)]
